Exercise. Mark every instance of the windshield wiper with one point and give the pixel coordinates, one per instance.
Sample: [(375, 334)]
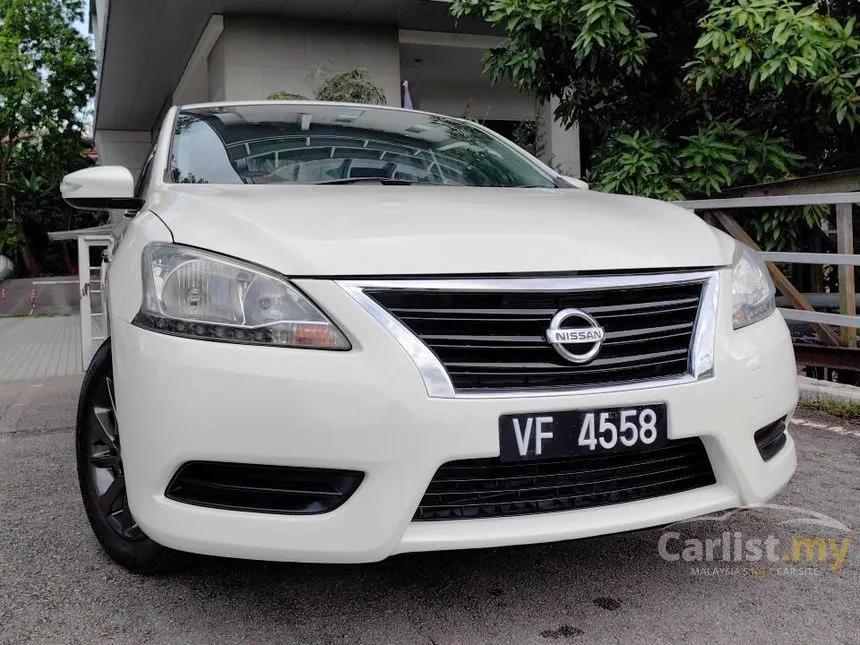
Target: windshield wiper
[(387, 181)]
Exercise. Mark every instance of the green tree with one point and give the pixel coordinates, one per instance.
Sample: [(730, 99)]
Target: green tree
[(354, 86), (47, 76), (680, 99)]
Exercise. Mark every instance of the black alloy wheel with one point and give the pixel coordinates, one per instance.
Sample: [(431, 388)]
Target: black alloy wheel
[(102, 478), (105, 463)]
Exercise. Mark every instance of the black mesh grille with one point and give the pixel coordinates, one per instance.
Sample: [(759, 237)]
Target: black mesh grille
[(497, 340), (479, 488)]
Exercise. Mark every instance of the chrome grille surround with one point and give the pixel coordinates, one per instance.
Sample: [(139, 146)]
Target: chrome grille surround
[(437, 380)]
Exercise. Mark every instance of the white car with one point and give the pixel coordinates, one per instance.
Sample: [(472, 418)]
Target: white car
[(342, 332)]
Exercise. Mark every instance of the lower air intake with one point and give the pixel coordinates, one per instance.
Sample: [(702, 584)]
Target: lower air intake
[(482, 488), (262, 489), (770, 439)]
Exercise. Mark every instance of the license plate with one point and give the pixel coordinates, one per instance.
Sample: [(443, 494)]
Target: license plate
[(577, 433)]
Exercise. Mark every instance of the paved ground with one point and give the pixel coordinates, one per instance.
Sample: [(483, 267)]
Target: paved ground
[(57, 587), (53, 295), (32, 347)]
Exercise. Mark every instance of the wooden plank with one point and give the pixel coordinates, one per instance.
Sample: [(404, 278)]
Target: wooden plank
[(782, 283), (845, 358), (834, 320), (847, 295), (852, 259), (773, 200), (843, 181), (818, 242)]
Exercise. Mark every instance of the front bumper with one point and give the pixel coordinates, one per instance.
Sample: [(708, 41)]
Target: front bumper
[(183, 400)]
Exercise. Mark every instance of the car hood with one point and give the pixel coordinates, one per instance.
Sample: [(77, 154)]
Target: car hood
[(376, 230)]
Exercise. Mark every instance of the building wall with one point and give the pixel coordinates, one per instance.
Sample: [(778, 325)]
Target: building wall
[(195, 89), (217, 72), (257, 56), (500, 102), (123, 148)]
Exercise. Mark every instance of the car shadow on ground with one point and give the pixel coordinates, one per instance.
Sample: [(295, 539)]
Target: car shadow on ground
[(598, 589), (550, 591)]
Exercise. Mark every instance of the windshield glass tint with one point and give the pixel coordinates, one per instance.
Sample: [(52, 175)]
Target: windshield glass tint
[(268, 144)]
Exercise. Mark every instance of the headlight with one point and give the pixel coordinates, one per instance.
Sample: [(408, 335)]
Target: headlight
[(753, 292), (196, 294)]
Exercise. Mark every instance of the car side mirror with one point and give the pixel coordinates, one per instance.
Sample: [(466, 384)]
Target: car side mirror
[(576, 183), (100, 188)]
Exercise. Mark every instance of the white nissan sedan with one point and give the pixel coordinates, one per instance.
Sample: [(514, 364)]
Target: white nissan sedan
[(341, 332)]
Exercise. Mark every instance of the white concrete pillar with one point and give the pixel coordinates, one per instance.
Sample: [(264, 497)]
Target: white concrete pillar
[(558, 146), (193, 85)]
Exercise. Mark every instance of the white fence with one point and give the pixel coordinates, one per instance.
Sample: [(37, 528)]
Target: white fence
[(844, 258)]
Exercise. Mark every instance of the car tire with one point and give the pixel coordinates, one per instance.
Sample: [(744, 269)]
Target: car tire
[(100, 475)]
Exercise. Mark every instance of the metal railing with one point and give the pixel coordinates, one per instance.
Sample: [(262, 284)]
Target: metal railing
[(94, 324), (845, 257)]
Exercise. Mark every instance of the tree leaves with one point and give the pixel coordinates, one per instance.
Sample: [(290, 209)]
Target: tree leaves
[(641, 163), (690, 98), (354, 86), (583, 35), (47, 76), (715, 157), (779, 48)]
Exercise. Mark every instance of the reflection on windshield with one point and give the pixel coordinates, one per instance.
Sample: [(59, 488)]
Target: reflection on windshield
[(309, 143)]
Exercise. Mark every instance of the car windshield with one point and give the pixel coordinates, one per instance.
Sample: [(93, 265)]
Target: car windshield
[(331, 143)]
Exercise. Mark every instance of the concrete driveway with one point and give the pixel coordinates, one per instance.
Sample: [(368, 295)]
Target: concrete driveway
[(39, 347), (57, 587), (56, 295)]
